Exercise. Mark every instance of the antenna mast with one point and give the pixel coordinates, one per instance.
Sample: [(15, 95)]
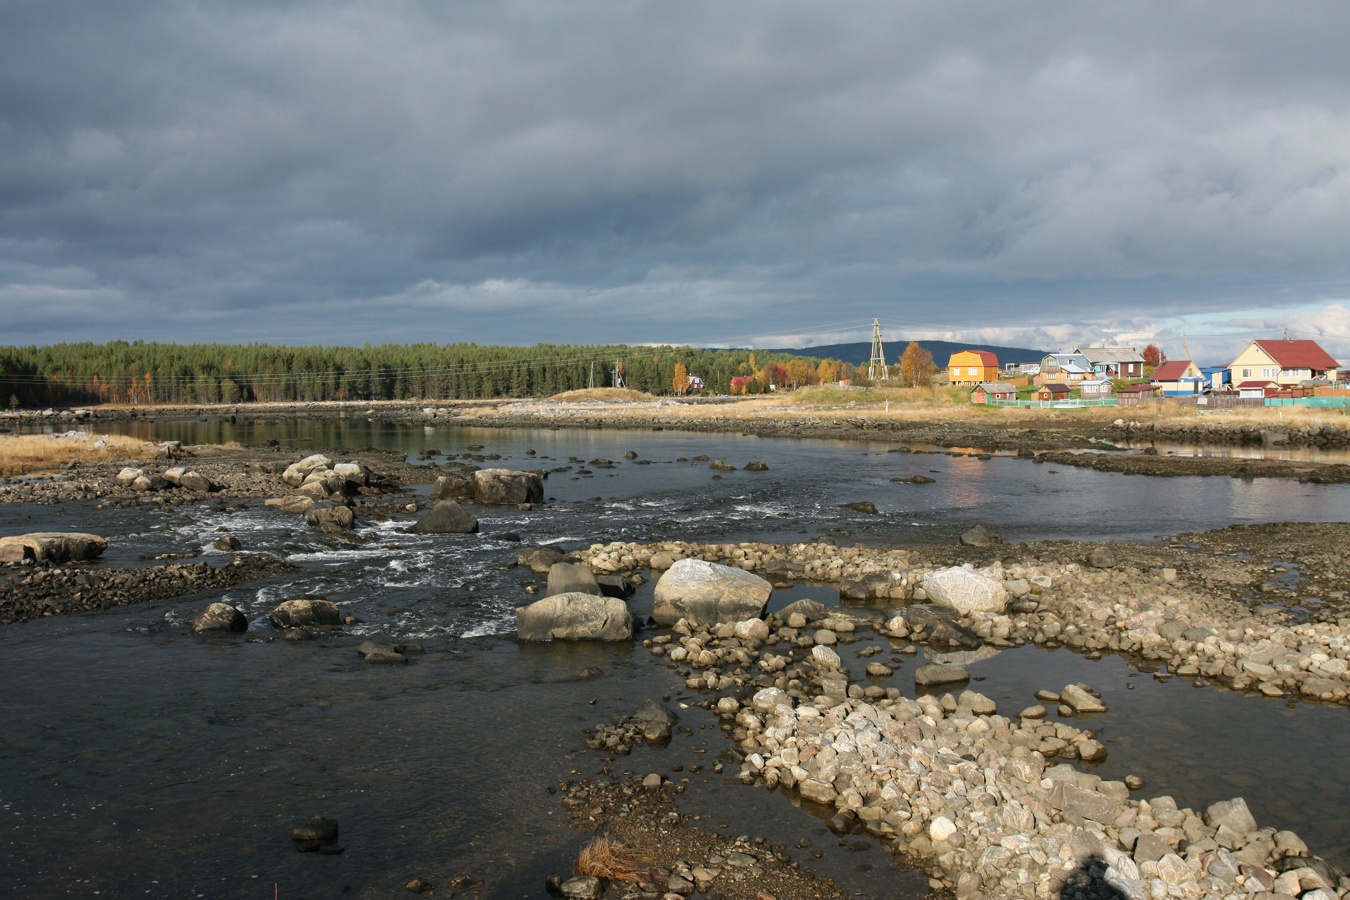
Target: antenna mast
[(878, 360)]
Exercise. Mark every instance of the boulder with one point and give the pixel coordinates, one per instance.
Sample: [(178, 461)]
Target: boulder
[(936, 673), (227, 544), (148, 483), (940, 626), (1232, 813), (328, 516), (574, 617), (128, 476), (219, 617), (966, 591), (873, 586), (446, 517), (504, 487), (708, 593), (452, 487), (355, 474), (1101, 558), (811, 610), (539, 560), (323, 483), (14, 554), (305, 612), (979, 536), (862, 506), (382, 652), (1080, 701), (571, 578), (297, 472), (295, 504), (58, 546), (914, 479), (654, 721), (197, 482), (316, 835), (756, 465)]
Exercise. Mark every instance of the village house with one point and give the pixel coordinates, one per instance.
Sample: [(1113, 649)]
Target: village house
[(972, 367), (1095, 389), (1063, 368), (993, 390), (1179, 378), (1113, 362), (1265, 367), (1054, 391)]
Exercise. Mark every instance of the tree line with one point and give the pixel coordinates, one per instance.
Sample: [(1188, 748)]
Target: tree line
[(78, 374)]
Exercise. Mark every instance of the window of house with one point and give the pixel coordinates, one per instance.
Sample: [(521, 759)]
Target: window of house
[(1246, 373), (974, 370)]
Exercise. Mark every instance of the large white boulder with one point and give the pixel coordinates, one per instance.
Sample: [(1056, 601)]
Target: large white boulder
[(708, 593), (574, 617), (966, 591)]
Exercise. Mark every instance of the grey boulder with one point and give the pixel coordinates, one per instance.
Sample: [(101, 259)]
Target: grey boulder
[(59, 546), (569, 578), (219, 617), (446, 517), (574, 617)]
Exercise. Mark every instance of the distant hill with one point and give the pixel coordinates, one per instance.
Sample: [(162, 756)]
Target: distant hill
[(860, 354)]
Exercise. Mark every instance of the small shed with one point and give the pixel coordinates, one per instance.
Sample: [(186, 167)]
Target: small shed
[(992, 390), (1055, 391), (1135, 394)]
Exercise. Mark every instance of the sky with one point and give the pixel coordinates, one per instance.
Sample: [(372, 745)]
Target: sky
[(1041, 174)]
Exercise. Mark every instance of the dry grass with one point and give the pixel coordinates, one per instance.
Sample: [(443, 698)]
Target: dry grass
[(608, 859), (602, 395), (26, 454)]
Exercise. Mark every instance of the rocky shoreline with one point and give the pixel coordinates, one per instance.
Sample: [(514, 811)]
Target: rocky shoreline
[(981, 798)]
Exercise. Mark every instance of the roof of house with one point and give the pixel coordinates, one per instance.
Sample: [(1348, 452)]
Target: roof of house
[(996, 387), (987, 358), (1172, 370), (1297, 354), (1111, 354), (1055, 388), (1253, 385)]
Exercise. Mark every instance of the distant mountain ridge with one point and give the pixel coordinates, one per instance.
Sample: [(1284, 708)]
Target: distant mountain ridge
[(860, 354)]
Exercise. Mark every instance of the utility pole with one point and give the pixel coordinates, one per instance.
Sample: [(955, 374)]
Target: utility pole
[(591, 383), (878, 362)]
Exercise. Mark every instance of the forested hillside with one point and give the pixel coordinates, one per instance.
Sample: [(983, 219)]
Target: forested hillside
[(121, 372)]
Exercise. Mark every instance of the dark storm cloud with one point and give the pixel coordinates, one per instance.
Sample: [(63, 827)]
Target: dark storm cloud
[(646, 171)]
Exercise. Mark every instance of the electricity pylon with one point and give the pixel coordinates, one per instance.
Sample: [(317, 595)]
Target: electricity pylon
[(878, 362)]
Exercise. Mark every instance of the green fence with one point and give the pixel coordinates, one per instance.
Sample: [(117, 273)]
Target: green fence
[(1319, 402)]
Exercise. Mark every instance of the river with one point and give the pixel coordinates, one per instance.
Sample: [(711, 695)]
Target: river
[(139, 760)]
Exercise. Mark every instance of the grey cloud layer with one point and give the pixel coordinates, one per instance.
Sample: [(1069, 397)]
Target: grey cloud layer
[(817, 162)]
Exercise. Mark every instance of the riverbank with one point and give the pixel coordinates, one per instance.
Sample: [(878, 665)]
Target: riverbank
[(911, 424)]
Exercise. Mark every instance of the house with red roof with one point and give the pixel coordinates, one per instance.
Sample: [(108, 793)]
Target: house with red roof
[(1282, 363), (972, 367)]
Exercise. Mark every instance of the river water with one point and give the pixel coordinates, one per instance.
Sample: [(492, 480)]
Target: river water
[(139, 760)]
